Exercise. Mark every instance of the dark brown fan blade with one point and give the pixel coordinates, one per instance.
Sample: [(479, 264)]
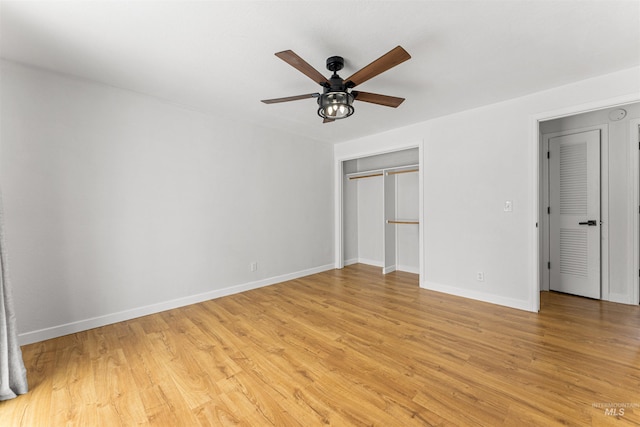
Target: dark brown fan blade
[(290, 98), (374, 98), (389, 60), (301, 65), (328, 121)]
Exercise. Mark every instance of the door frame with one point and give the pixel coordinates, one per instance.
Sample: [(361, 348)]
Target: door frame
[(604, 202), (365, 151), (634, 215), (535, 149)]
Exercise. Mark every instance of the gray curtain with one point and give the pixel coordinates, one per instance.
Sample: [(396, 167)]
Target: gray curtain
[(13, 375)]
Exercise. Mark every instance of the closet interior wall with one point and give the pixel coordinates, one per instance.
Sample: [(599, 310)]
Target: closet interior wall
[(377, 189)]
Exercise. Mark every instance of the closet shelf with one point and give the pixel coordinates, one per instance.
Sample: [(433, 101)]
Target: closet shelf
[(402, 221)]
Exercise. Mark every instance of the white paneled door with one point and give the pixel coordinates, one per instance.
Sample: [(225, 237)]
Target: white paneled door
[(574, 190)]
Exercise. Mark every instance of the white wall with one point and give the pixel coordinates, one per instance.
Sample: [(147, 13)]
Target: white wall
[(473, 162), (370, 220), (407, 241), (350, 214), (118, 204)]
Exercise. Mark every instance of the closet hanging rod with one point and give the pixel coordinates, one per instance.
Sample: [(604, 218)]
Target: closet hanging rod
[(402, 171), (366, 176), (382, 171)]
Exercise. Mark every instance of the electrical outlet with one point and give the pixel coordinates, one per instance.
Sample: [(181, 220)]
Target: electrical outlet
[(480, 276), (508, 206), (253, 266)]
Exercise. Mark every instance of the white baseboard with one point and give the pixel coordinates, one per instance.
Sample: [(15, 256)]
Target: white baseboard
[(390, 269), (405, 268), (408, 269), (371, 262), (480, 296), (620, 298), (96, 322)]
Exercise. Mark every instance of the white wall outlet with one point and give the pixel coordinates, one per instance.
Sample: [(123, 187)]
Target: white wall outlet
[(480, 276), (508, 206), (253, 266)]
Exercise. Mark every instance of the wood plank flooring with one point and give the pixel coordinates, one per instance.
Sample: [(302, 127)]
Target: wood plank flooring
[(345, 347)]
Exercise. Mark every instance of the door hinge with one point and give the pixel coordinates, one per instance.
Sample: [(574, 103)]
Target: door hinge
[(548, 210), (548, 154), (549, 265)]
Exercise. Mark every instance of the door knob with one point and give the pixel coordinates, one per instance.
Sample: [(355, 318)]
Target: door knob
[(589, 222)]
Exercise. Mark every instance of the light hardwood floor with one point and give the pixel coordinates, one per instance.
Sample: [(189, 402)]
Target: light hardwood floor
[(344, 347)]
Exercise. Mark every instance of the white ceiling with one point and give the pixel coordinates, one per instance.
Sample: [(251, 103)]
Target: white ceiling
[(218, 56)]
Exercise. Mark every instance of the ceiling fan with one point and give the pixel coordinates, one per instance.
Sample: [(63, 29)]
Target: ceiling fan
[(336, 101)]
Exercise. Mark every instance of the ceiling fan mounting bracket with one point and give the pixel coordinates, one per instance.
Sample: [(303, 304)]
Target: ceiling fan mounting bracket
[(335, 63), (335, 82)]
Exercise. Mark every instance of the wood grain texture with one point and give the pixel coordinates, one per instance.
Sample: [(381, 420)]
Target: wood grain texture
[(290, 98), (402, 171), (387, 61), (376, 98), (292, 58), (398, 221), (344, 347), (366, 176)]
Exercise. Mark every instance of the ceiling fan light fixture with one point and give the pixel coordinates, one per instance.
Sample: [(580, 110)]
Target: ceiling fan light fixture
[(335, 105), (336, 102)]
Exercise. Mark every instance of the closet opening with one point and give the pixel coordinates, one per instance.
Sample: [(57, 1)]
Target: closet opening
[(381, 211), (604, 263)]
